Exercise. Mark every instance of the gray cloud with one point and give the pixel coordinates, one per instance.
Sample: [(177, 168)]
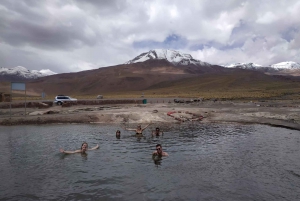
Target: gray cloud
[(32, 26), (75, 35)]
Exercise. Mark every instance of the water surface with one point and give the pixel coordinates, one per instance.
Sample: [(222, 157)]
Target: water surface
[(206, 162)]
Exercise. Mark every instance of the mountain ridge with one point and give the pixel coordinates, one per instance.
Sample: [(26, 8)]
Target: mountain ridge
[(172, 56), (22, 73), (286, 65), (162, 78)]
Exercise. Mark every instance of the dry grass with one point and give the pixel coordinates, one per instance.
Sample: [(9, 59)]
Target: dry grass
[(240, 85), (228, 86)]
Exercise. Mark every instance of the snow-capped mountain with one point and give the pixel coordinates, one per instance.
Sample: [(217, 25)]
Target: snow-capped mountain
[(243, 65), (286, 65), (288, 68), (173, 56), (23, 73)]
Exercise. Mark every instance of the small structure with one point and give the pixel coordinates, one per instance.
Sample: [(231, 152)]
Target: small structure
[(99, 97), (4, 97)]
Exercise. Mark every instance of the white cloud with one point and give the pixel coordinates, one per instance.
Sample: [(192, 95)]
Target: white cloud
[(82, 65), (256, 51), (267, 18), (74, 35), (174, 12)]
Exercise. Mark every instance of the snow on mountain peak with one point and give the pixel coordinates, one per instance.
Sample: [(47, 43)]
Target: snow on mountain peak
[(23, 72), (47, 72), (173, 56), (243, 65), (287, 65)]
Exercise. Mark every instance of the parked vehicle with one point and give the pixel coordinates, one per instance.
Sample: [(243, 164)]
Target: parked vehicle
[(60, 99), (99, 97)]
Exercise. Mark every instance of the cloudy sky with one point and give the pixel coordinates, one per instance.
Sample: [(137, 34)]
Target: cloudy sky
[(76, 35)]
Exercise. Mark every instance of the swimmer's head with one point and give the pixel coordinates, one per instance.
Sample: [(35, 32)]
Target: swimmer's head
[(157, 131), (84, 146), (139, 126), (159, 149), (118, 134)]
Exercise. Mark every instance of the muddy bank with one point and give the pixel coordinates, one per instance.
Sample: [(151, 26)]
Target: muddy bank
[(275, 113)]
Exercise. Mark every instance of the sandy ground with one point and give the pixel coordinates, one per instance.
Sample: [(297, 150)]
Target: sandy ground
[(275, 113)]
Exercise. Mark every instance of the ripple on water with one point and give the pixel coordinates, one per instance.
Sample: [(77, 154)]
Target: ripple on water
[(207, 161)]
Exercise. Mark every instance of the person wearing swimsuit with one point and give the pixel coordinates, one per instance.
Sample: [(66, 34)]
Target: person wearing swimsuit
[(118, 134), (139, 130), (159, 152), (83, 149), (157, 132)]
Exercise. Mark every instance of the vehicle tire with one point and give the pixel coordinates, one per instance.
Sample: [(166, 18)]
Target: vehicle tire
[(59, 103)]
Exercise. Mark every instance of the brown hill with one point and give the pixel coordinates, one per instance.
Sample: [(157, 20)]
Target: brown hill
[(126, 77), (232, 83), (161, 78)]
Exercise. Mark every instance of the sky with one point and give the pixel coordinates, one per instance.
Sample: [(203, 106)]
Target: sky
[(76, 35)]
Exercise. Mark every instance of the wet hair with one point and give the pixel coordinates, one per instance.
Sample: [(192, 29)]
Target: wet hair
[(158, 145), (83, 144), (157, 128)]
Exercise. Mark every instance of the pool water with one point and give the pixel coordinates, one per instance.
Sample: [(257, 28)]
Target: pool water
[(205, 162)]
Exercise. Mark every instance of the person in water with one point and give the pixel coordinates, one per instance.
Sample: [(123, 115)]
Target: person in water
[(157, 132), (159, 151), (118, 134), (139, 130), (83, 149)]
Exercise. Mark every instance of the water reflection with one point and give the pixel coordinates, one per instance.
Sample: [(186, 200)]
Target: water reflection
[(84, 155), (157, 160), (139, 138), (206, 162), (65, 156)]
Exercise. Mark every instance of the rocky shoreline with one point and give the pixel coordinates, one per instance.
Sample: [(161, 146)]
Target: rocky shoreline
[(275, 113)]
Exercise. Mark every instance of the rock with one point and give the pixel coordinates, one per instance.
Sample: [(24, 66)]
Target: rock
[(42, 105), (36, 113), (43, 112), (89, 109), (51, 112)]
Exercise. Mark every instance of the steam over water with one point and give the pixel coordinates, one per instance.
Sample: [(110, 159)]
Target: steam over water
[(206, 162)]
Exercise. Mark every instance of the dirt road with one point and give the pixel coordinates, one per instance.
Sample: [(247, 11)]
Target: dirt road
[(276, 113)]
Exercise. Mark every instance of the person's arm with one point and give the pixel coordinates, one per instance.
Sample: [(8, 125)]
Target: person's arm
[(96, 147), (165, 154), (130, 129), (145, 127), (69, 152)]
